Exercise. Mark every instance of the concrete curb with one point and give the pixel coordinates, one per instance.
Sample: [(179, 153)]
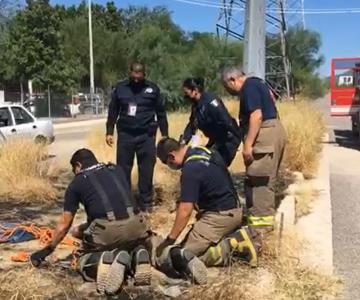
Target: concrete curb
[(315, 228), (79, 123)]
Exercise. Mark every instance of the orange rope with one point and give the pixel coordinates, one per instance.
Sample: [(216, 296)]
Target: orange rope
[(43, 234), (20, 257)]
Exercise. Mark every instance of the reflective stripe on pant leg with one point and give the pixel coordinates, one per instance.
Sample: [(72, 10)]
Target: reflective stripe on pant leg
[(217, 255), (256, 221), (237, 244)]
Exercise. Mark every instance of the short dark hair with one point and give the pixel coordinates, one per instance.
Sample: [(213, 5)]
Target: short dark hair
[(165, 146), (85, 157), (193, 83), (137, 66)]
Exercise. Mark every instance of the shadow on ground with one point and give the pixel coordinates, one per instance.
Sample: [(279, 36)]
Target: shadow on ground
[(13, 212), (345, 138)]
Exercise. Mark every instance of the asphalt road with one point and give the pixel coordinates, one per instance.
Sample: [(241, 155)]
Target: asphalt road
[(344, 159), (68, 140)]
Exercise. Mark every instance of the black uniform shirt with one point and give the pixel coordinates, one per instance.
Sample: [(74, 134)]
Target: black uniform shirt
[(206, 184), (212, 118), (81, 190), (137, 108), (255, 94)]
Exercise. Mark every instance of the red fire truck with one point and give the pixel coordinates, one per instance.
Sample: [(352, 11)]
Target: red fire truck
[(345, 90)]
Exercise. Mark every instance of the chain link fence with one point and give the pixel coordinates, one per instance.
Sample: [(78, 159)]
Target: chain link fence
[(53, 104)]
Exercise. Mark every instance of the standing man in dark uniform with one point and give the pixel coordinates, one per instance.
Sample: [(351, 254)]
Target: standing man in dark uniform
[(137, 109), (210, 115), (264, 143)]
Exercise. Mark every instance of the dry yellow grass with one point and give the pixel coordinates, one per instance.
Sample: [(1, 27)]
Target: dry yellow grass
[(30, 283), (305, 128), (304, 197), (26, 173)]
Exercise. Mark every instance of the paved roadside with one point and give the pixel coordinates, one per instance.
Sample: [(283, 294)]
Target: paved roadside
[(79, 118), (72, 136), (344, 158)]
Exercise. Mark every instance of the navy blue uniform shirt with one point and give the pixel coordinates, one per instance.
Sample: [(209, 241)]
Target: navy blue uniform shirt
[(137, 108), (212, 118), (206, 184), (254, 95), (81, 190)]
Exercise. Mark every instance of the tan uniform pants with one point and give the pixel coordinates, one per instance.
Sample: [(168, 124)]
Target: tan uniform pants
[(262, 173), (210, 228), (107, 235)]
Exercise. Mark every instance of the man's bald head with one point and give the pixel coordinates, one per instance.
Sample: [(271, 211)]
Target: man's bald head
[(137, 72), (137, 67)]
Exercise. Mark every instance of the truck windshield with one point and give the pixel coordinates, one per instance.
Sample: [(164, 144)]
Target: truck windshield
[(346, 73)]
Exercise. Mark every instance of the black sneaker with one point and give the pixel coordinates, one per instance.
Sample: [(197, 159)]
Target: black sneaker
[(142, 267)]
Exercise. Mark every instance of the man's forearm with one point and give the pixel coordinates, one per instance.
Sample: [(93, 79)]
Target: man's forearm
[(163, 126), (181, 220), (110, 127), (62, 228), (59, 235)]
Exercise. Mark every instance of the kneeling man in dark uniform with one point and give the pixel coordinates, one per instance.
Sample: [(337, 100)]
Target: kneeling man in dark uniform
[(114, 229), (206, 186)]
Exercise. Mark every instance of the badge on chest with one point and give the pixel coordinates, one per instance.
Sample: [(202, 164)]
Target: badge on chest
[(132, 109)]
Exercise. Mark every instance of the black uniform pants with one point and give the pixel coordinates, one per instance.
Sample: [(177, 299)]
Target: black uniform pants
[(143, 145), (228, 149)]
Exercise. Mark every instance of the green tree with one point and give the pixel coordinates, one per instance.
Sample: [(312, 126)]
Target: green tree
[(303, 50), (35, 49), (50, 44)]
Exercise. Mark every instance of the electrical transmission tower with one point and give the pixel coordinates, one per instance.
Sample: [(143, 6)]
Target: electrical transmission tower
[(236, 17)]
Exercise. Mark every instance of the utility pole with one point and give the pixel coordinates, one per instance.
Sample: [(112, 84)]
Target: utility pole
[(283, 48), (92, 85), (49, 101), (254, 52), (303, 14)]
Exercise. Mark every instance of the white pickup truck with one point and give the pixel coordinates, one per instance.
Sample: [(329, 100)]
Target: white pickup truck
[(17, 122)]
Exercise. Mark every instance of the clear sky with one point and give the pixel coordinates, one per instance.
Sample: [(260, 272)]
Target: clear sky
[(340, 32)]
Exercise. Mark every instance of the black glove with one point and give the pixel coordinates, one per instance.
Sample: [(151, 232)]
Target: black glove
[(39, 256), (165, 243)]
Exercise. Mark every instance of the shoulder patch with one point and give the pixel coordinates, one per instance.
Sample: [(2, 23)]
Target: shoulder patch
[(149, 90), (214, 103)]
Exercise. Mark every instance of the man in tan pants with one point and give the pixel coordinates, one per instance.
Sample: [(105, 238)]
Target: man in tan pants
[(264, 140), (206, 186), (115, 234)]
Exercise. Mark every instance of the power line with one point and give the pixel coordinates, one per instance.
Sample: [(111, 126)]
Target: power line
[(312, 11)]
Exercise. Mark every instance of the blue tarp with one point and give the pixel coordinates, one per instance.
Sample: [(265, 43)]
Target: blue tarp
[(20, 235)]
